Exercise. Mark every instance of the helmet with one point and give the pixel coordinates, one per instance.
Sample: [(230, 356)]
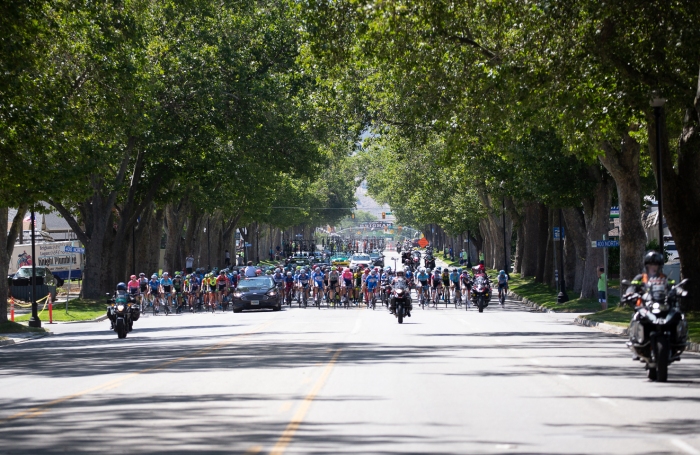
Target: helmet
[(165, 274), (289, 273), (121, 286), (177, 273), (373, 272), (501, 272), (132, 277), (258, 272), (235, 273), (268, 272), (154, 277), (654, 257), (142, 274), (399, 272), (459, 270), (278, 270), (422, 270), (221, 272)]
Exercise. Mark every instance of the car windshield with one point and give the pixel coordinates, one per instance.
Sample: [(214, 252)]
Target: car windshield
[(374, 255), (26, 272), (255, 284), (670, 247), (361, 257)]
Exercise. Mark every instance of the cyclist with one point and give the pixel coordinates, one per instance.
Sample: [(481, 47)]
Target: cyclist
[(466, 280), (154, 290), (502, 284), (133, 286), (288, 287), (317, 276), (347, 284), (372, 282), (445, 284), (211, 287), (222, 285), (436, 285), (333, 278), (304, 283), (357, 276), (454, 285), (193, 286), (365, 274), (177, 287), (278, 278), (143, 288), (423, 278), (167, 287)]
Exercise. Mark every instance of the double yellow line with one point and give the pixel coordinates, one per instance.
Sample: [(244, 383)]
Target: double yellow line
[(38, 410)]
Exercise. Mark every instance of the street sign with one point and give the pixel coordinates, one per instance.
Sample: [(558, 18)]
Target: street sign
[(423, 242), (74, 249), (248, 245), (615, 212), (604, 243), (556, 233)]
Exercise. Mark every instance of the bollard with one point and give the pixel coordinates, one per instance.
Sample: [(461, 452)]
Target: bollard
[(12, 309), (50, 310)]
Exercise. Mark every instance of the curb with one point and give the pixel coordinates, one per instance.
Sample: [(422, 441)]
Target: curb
[(7, 342), (99, 319), (528, 303)]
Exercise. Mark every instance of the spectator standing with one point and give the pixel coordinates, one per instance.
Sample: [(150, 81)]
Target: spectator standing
[(602, 298), (227, 258), (189, 262)]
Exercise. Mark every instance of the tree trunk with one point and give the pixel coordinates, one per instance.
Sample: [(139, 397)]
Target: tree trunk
[(597, 217), (576, 233), (570, 257), (623, 164), (530, 232), (7, 243), (681, 194), (174, 224)]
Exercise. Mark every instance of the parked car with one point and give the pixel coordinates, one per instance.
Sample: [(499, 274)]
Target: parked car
[(256, 293), (377, 259), (43, 276), (670, 248)]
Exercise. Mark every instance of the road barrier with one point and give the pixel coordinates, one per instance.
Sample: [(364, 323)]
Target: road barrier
[(50, 309), (12, 309)]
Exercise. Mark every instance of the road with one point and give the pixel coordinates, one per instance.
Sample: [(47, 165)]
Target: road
[(447, 381)]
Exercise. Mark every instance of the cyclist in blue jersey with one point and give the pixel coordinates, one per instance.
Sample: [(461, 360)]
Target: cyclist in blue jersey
[(318, 277), (372, 283), (454, 284), (167, 286), (304, 282)]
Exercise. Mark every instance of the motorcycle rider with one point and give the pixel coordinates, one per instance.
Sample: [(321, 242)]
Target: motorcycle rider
[(400, 281), (653, 268)]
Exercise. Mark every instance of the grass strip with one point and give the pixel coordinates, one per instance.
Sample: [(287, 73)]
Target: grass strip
[(78, 310), (13, 327), (547, 296)]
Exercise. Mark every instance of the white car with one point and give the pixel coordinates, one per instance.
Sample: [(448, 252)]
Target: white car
[(357, 260)]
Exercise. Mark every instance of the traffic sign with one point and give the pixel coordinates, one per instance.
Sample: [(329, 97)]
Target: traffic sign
[(604, 243), (556, 233), (423, 242), (248, 245), (74, 249), (615, 212)]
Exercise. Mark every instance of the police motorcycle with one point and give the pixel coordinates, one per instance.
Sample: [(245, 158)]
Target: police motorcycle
[(658, 331), (401, 300), (122, 311), (481, 292)]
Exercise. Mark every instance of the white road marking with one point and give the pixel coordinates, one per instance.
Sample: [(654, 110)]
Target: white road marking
[(563, 376), (506, 446), (603, 399), (535, 361), (685, 447)]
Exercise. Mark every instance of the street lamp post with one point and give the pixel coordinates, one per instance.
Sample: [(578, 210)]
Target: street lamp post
[(34, 321), (563, 296), (658, 103)]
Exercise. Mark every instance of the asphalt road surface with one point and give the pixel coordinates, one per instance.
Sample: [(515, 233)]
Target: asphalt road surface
[(447, 381)]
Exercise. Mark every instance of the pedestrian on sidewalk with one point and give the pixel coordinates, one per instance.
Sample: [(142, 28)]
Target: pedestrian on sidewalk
[(189, 262), (227, 258), (602, 298)]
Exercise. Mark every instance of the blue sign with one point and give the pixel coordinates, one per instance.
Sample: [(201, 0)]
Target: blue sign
[(606, 243), (74, 249), (248, 245), (556, 233)]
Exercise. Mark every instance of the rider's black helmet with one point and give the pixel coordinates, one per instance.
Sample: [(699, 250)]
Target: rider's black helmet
[(653, 257), (121, 286)]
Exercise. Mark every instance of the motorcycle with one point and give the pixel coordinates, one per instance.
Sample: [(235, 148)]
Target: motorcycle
[(481, 292), (659, 330), (386, 292), (401, 302), (429, 261), (122, 311)]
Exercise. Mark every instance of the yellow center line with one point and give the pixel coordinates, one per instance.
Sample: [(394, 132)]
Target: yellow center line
[(38, 410), (294, 424)]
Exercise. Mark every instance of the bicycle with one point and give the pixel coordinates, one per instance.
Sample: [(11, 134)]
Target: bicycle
[(372, 296)]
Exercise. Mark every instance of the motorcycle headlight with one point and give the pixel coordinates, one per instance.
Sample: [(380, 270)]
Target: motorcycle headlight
[(399, 292), (120, 307)]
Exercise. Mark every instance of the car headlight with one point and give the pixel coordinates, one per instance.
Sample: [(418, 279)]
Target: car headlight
[(237, 295), (272, 293)]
